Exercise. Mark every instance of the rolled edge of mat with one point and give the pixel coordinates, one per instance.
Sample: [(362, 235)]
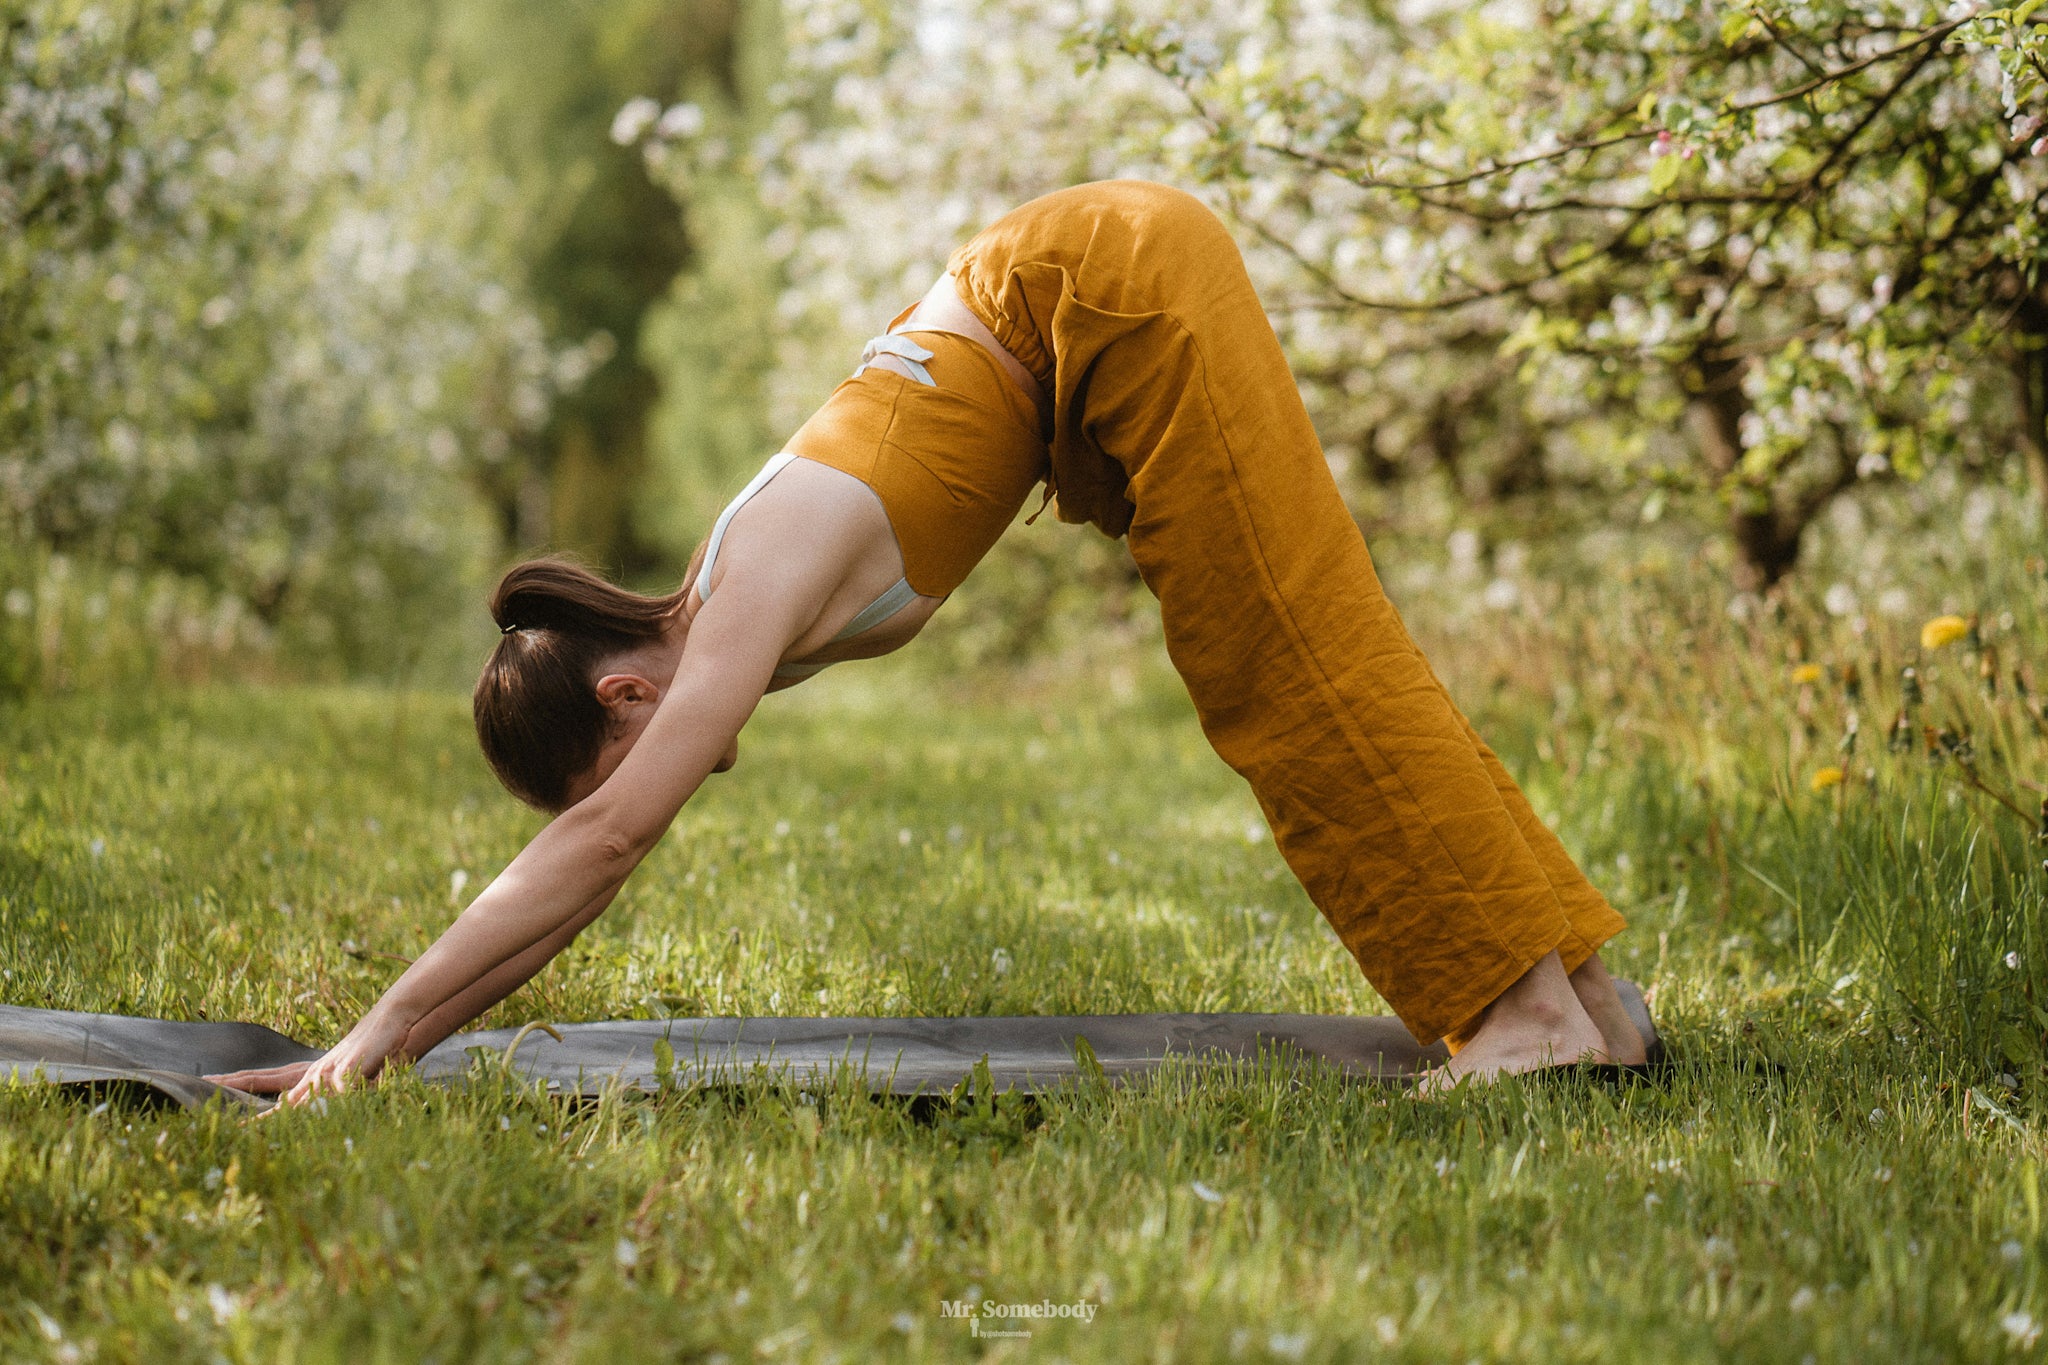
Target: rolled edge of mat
[(186, 1091)]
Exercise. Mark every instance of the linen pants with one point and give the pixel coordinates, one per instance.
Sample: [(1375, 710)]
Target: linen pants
[(1176, 421)]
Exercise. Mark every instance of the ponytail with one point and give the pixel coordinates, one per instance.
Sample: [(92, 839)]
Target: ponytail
[(538, 718)]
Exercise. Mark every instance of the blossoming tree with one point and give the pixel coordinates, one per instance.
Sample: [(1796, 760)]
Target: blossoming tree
[(1811, 230)]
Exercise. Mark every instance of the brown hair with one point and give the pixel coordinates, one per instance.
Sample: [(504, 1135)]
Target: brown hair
[(537, 713)]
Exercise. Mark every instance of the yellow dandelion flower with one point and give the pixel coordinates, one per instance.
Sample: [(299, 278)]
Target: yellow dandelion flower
[(1943, 630), (1806, 673), (1824, 778)]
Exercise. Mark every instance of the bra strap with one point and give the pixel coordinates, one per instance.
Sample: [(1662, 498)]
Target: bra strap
[(899, 596), (775, 466), (881, 609)]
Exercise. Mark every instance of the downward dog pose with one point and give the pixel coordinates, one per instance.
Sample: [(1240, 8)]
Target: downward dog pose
[(1104, 340)]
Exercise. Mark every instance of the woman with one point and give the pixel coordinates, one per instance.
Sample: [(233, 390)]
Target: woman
[(1106, 341)]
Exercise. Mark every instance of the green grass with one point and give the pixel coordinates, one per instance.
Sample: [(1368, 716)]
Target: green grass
[(1811, 1182)]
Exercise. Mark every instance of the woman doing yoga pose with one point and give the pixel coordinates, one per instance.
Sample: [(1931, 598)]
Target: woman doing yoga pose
[(1106, 341)]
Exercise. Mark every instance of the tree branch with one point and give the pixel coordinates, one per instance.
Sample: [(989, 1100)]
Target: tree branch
[(1365, 179)]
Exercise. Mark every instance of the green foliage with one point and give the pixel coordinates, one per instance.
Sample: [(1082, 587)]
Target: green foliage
[(66, 623), (310, 327), (255, 342)]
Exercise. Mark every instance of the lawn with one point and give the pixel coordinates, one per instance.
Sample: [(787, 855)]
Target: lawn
[(1843, 1164)]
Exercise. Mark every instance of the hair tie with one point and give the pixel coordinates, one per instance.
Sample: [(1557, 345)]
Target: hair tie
[(507, 630)]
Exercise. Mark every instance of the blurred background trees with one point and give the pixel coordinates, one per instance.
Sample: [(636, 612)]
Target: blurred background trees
[(315, 314), (255, 343), (533, 89)]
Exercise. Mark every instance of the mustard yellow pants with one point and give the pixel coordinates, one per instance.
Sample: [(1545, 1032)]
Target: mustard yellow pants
[(1176, 421)]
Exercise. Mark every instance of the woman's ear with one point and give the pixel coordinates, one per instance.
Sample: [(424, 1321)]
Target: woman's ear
[(618, 693)]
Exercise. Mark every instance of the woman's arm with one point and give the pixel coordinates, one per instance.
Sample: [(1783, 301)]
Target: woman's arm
[(574, 867), (496, 985), (556, 885), (452, 1015)]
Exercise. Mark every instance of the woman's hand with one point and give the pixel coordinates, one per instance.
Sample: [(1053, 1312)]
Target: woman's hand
[(359, 1056)]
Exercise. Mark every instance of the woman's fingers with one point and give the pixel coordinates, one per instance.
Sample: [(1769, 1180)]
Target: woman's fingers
[(328, 1076), (308, 1086), (296, 1083), (263, 1081), (355, 1058)]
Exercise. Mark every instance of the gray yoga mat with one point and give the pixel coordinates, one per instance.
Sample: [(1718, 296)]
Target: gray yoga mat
[(900, 1056)]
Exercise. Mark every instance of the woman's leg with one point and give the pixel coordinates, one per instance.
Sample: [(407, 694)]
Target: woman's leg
[(1171, 394), (1585, 908)]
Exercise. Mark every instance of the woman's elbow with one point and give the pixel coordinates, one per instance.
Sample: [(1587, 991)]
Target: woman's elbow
[(621, 849), (616, 839), (630, 836)]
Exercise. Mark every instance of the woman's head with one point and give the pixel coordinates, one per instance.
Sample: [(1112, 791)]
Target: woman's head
[(539, 716)]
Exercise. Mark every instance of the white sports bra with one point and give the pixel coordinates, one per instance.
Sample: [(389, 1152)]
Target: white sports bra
[(893, 600)]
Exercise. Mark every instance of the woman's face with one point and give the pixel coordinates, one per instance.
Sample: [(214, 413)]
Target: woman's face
[(630, 694), (620, 744)]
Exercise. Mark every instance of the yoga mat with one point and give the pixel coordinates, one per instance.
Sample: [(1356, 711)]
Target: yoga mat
[(898, 1056)]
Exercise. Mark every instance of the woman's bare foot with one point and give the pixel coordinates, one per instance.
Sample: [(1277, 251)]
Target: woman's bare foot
[(1595, 989), (1536, 1022)]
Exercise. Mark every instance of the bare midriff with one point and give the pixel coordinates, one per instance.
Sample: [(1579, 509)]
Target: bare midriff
[(941, 310)]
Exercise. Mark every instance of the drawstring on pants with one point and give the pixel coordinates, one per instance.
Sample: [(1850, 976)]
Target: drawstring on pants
[(1045, 502)]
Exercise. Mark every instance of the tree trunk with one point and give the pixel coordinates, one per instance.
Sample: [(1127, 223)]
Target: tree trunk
[(1769, 543), (1766, 542), (2030, 371), (1379, 471), (1441, 436), (599, 464), (1523, 470)]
